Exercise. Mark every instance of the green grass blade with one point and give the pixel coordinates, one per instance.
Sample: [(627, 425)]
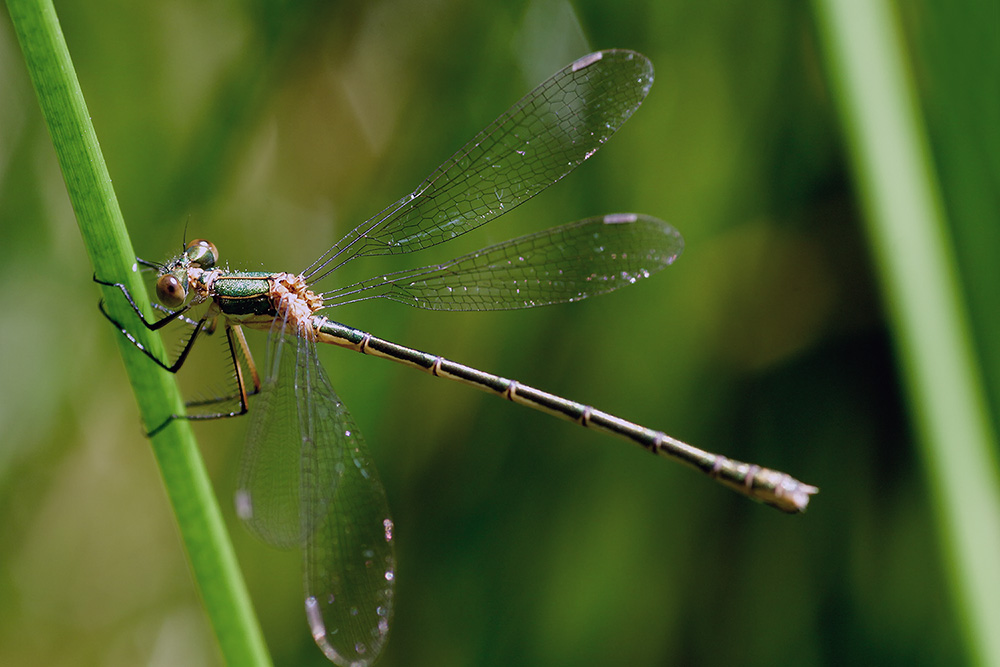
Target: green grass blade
[(915, 259), (198, 516)]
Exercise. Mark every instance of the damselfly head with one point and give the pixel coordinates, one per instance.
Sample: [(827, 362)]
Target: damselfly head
[(172, 285)]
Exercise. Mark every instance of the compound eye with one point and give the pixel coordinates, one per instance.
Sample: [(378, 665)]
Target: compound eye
[(170, 291), (202, 252)]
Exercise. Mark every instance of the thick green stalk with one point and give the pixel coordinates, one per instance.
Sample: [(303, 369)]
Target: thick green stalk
[(198, 516), (915, 259)]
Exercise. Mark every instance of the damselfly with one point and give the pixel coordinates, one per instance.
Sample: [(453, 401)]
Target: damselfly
[(306, 476)]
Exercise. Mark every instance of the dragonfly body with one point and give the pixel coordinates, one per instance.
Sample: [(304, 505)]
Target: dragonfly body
[(259, 300), (306, 478)]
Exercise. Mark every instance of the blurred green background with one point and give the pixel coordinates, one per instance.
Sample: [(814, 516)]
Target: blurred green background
[(274, 128)]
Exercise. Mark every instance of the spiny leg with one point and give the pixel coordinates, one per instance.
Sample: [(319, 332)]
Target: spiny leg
[(234, 334), (171, 316), (234, 339)]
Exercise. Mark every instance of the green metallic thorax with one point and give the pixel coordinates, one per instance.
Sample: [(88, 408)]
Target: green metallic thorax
[(242, 293)]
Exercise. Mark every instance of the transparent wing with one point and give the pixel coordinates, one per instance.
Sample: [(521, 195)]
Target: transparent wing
[(563, 264), (536, 142), (268, 490), (350, 560), (307, 480)]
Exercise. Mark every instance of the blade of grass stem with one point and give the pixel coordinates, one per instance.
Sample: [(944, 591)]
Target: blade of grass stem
[(209, 550), (915, 260)]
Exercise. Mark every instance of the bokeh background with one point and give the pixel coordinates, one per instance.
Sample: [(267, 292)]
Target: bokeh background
[(273, 128)]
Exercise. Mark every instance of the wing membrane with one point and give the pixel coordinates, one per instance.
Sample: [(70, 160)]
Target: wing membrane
[(268, 496), (536, 142), (307, 480), (562, 264), (350, 560)]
